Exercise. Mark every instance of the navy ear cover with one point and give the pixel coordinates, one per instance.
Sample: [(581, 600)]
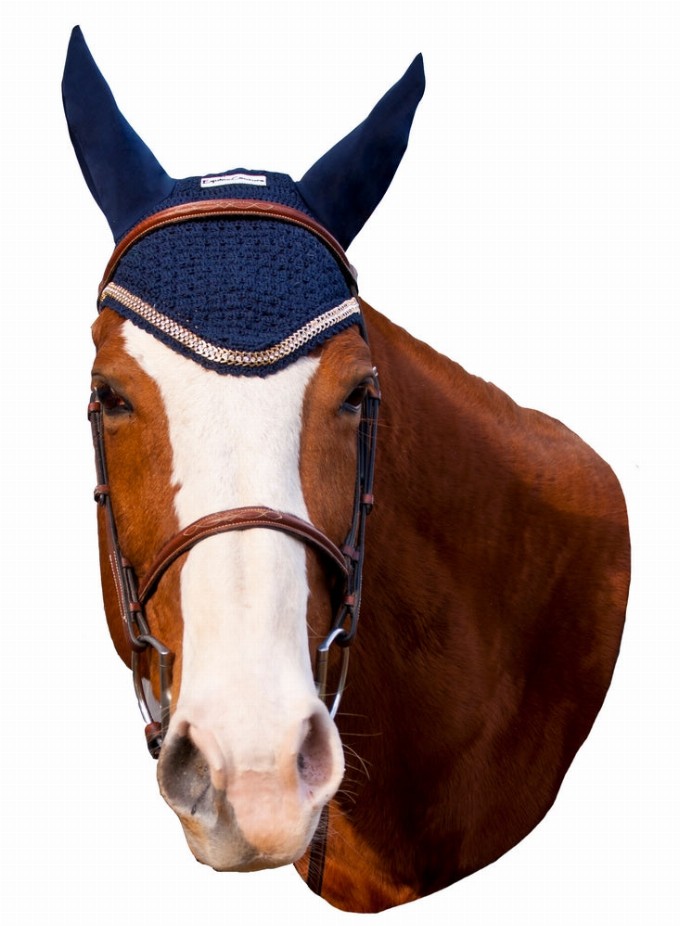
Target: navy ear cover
[(343, 188), (122, 173)]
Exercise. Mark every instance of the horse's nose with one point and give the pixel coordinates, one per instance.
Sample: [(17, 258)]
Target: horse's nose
[(191, 764), (194, 759), (270, 797)]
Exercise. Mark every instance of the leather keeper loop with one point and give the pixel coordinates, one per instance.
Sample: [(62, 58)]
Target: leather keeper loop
[(351, 552)]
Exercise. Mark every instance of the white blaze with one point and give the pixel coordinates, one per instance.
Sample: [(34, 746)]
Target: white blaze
[(235, 442)]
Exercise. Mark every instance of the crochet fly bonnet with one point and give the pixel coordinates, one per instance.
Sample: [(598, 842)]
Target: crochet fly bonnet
[(241, 270)]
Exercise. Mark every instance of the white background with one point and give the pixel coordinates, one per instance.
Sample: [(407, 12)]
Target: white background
[(531, 233)]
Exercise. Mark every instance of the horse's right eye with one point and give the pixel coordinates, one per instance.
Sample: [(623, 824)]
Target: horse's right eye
[(111, 402)]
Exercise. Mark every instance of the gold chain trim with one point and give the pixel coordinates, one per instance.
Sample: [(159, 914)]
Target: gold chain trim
[(225, 355)]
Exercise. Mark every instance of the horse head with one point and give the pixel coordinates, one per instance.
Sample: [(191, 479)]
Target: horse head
[(234, 417), (231, 379)]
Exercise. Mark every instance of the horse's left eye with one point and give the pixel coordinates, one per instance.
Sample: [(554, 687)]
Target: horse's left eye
[(354, 400), (111, 402)]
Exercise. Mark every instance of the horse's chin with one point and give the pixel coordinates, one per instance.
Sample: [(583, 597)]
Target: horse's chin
[(258, 863), (264, 841), (229, 852)]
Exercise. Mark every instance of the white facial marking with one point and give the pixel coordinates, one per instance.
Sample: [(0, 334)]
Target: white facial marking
[(235, 442)]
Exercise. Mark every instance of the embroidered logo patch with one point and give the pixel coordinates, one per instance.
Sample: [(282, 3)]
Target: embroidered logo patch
[(233, 179)]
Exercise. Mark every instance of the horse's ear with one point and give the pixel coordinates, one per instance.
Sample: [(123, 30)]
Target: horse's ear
[(343, 188), (122, 173)]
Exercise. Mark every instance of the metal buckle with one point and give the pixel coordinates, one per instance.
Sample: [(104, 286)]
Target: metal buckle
[(322, 669), (155, 730)]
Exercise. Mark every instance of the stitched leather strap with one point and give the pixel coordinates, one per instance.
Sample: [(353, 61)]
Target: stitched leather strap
[(236, 519), (232, 208)]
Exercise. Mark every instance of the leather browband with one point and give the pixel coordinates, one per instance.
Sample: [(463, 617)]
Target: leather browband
[(236, 519), (232, 208)]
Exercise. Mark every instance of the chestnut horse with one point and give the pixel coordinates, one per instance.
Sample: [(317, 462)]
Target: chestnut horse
[(496, 559)]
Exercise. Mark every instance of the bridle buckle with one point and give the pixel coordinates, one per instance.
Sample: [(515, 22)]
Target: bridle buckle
[(322, 654)]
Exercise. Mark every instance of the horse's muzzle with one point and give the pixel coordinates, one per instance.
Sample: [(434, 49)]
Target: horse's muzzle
[(241, 815)]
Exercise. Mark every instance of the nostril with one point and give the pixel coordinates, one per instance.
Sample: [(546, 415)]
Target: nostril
[(184, 776), (315, 758)]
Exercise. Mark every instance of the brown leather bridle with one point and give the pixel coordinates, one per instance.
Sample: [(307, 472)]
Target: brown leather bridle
[(133, 593)]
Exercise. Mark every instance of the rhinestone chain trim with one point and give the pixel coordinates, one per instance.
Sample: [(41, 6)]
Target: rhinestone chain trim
[(225, 355)]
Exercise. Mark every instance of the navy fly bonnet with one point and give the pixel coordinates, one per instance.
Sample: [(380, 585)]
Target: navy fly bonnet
[(243, 293)]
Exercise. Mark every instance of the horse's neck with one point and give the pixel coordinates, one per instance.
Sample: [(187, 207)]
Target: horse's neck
[(437, 422), (439, 474), (493, 600), (385, 719)]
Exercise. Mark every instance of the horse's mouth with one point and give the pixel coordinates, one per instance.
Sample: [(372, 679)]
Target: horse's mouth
[(217, 839)]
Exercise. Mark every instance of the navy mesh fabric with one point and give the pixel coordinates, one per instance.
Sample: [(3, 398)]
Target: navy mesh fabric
[(244, 284), (280, 188)]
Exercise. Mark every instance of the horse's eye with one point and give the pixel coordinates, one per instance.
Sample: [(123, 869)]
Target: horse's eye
[(354, 400), (111, 402)]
